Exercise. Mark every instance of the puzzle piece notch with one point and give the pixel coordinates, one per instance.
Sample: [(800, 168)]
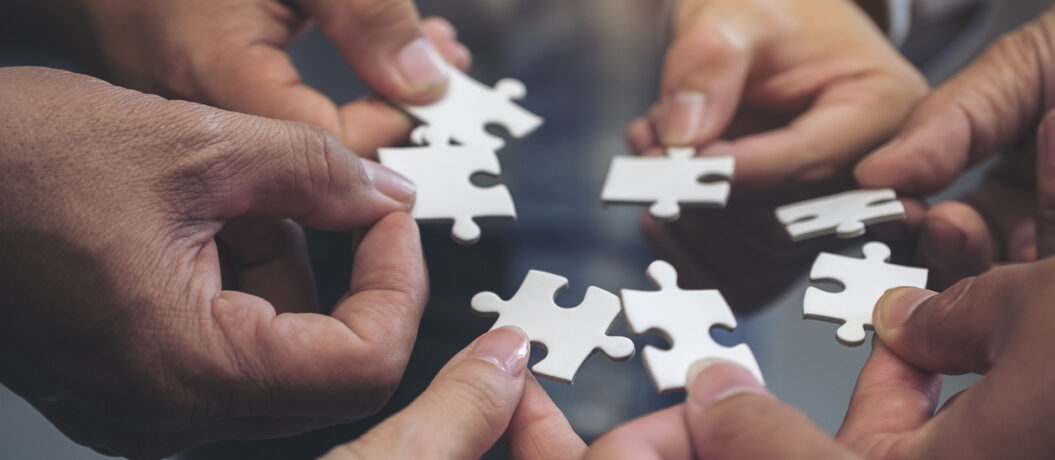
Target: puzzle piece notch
[(864, 281), (468, 107), (668, 182), (845, 214), (685, 319), (569, 335), (443, 175)]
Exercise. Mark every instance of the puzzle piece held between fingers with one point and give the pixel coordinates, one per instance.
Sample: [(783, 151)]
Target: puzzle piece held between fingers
[(569, 335), (442, 174), (468, 107), (845, 214), (668, 182), (865, 281), (685, 318)]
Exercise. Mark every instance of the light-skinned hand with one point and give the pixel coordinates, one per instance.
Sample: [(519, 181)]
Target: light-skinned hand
[(232, 54)]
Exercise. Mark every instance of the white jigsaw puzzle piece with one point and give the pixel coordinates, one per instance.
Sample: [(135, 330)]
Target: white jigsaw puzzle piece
[(469, 106), (668, 182), (445, 193), (685, 318), (865, 281), (569, 335), (845, 214)]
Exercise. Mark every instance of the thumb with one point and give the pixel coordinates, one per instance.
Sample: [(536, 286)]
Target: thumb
[(703, 79), (268, 168), (462, 413), (959, 330), (983, 110), (731, 415), (384, 43)]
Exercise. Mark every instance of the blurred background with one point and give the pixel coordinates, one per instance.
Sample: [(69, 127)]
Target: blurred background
[(590, 67)]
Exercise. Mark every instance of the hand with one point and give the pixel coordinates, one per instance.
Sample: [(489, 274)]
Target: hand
[(231, 54), (995, 324), (462, 413), (120, 323), (797, 91), (995, 104)]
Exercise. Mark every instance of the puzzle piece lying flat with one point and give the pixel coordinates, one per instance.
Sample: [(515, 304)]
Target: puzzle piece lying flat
[(442, 174), (845, 214), (569, 335), (685, 318), (865, 281), (469, 106), (668, 182)]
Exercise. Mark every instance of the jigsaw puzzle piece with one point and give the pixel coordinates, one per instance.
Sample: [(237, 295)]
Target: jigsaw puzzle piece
[(864, 281), (845, 214), (668, 182), (684, 318), (569, 335), (442, 173), (469, 106)]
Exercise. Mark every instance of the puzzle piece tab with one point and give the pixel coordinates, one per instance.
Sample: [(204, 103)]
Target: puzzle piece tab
[(469, 106), (865, 281), (845, 214), (569, 335), (685, 318), (442, 174), (668, 182)]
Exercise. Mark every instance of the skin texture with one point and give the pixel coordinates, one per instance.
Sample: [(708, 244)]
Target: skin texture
[(155, 296), (228, 53), (1001, 103), (463, 411), (797, 91)]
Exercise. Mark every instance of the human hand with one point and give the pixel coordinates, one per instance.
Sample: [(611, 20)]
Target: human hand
[(231, 54), (121, 325), (995, 104), (995, 325), (463, 411), (796, 91)]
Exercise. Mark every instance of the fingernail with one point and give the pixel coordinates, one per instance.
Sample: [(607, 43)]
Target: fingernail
[(506, 347), (681, 117), (943, 244), (712, 380), (897, 305), (421, 66), (391, 183)]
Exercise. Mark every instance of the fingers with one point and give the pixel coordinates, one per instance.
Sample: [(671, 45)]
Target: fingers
[(982, 110), (731, 415), (891, 397), (822, 142), (270, 259), (539, 430), (703, 78), (347, 365), (463, 411), (259, 167), (955, 242), (956, 331), (1045, 212), (384, 43), (659, 435)]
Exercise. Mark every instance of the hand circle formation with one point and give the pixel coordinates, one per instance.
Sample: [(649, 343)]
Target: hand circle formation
[(156, 292)]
